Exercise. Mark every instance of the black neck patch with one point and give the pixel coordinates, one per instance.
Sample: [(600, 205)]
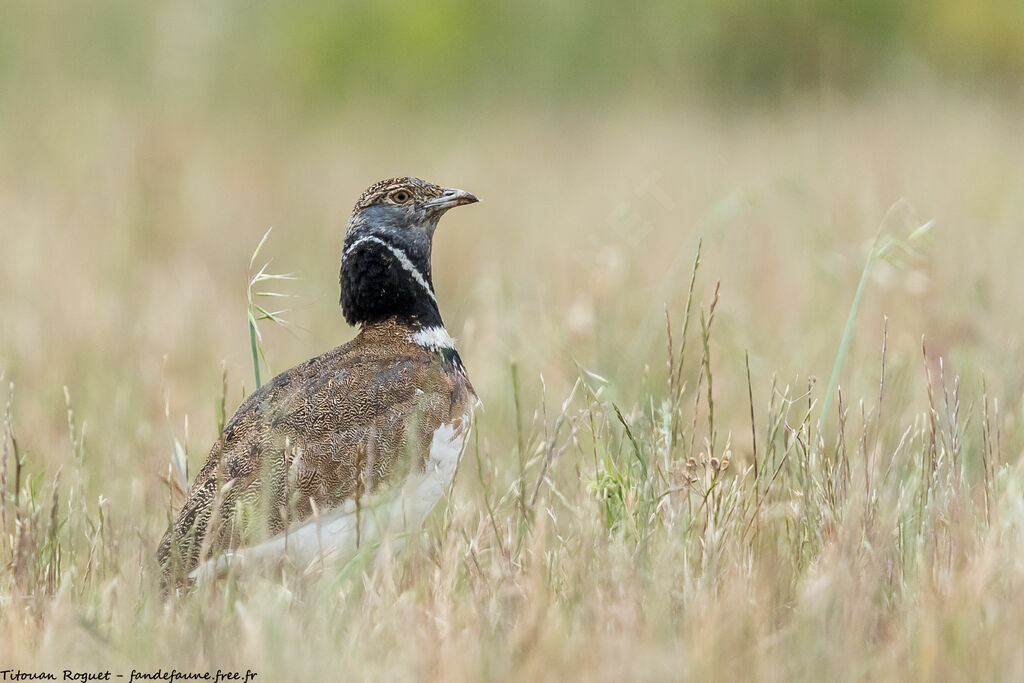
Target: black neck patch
[(383, 276)]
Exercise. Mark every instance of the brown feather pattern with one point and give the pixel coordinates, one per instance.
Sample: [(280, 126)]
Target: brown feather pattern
[(343, 424)]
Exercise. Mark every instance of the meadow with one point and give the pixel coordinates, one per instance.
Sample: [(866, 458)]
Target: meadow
[(660, 486)]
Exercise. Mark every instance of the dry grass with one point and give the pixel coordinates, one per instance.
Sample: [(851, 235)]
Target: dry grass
[(630, 508)]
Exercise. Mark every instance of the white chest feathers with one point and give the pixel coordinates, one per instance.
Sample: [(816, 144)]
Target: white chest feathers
[(394, 513)]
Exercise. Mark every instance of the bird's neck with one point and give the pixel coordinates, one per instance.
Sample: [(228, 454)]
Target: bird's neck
[(382, 280)]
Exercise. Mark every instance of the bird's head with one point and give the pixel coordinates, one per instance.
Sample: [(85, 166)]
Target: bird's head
[(385, 266), (397, 206)]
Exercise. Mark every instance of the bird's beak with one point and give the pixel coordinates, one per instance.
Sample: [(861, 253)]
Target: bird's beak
[(450, 198)]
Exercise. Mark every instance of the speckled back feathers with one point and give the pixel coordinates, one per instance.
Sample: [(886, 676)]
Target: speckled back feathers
[(333, 428)]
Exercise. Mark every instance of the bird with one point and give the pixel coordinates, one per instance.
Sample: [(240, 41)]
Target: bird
[(354, 445)]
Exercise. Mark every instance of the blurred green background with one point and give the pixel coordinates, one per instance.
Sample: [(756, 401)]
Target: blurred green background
[(146, 147), (318, 55)]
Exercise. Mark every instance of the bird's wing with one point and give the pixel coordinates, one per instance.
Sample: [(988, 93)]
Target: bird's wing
[(332, 428)]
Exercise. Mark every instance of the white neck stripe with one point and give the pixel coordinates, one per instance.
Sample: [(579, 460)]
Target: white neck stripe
[(433, 338), (403, 259)]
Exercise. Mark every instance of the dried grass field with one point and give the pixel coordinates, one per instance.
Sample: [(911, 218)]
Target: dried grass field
[(660, 486)]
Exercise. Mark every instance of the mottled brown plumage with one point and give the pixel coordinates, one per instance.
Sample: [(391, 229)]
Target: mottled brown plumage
[(343, 425)]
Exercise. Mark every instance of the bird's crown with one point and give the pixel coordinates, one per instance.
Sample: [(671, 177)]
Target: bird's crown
[(398, 191)]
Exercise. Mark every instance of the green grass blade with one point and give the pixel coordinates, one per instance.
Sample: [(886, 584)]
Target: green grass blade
[(844, 343), (254, 345)]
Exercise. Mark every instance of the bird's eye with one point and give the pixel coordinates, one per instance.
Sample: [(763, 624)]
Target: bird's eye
[(400, 196)]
